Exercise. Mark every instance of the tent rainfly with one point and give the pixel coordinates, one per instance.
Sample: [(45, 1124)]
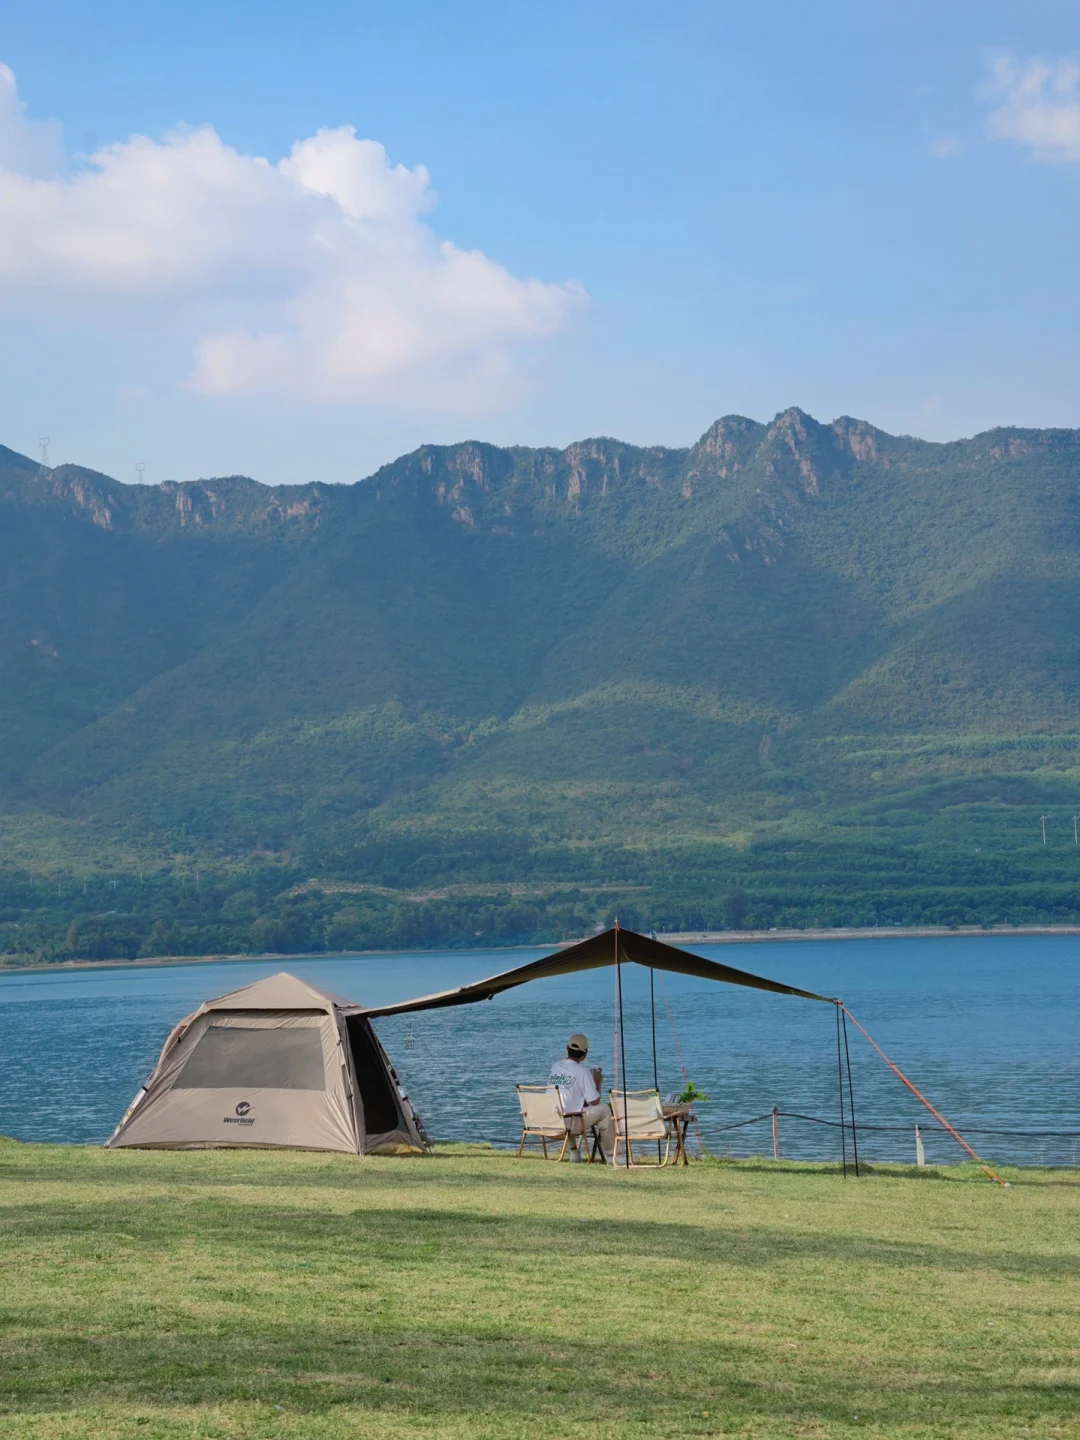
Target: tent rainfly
[(610, 947), (276, 1065)]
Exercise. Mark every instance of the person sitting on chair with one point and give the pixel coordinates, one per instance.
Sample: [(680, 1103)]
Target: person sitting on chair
[(579, 1093)]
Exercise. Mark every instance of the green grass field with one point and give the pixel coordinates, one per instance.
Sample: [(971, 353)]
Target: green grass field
[(222, 1294)]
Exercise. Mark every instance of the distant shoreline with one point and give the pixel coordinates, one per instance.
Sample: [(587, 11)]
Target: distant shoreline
[(868, 932), (681, 937)]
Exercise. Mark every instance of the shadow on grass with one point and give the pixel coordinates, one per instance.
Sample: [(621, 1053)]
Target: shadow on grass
[(486, 1167), (313, 1365), (415, 1237), (201, 1291)]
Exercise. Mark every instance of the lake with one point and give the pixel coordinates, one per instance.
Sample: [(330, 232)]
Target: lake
[(987, 1027)]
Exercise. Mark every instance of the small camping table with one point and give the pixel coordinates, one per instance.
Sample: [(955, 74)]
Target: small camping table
[(678, 1118)]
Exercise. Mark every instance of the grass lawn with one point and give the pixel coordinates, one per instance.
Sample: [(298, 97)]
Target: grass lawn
[(471, 1295)]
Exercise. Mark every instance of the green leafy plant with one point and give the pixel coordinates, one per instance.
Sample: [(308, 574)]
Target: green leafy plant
[(691, 1095)]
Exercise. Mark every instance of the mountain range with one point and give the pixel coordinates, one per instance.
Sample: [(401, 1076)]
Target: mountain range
[(785, 674)]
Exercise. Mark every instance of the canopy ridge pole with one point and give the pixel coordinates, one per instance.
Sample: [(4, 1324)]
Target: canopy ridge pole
[(840, 1073), (652, 1012), (622, 1043), (851, 1095), (920, 1096)]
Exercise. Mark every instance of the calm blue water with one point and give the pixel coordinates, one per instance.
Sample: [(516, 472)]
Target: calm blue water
[(987, 1027)]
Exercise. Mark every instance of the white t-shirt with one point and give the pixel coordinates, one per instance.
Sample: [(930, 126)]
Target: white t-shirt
[(577, 1088)]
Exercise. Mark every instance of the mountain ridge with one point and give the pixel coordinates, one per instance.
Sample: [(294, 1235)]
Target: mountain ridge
[(725, 441), (779, 634)]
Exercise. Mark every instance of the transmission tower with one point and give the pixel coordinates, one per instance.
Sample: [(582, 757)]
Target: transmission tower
[(43, 444), (140, 469)]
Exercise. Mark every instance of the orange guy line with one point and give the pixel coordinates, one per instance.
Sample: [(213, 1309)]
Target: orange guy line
[(920, 1096)]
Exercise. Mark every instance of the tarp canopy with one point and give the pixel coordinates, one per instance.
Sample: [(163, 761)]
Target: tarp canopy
[(592, 954)]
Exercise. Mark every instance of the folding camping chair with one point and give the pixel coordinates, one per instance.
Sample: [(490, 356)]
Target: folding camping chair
[(541, 1116), (639, 1115)]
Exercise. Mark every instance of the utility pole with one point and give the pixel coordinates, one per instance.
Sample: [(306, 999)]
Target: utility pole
[(1044, 820)]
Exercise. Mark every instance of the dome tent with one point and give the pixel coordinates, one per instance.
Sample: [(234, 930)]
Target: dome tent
[(276, 1065)]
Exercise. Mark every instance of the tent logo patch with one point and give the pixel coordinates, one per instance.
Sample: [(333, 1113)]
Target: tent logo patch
[(243, 1115)]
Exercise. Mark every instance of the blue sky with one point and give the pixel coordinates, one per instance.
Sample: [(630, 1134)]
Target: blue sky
[(854, 208)]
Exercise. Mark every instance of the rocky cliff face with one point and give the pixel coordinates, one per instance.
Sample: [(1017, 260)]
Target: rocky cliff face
[(794, 458), (228, 505), (478, 483), (577, 618)]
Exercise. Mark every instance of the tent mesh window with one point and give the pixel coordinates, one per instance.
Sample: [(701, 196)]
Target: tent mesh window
[(381, 1110), (227, 1058)]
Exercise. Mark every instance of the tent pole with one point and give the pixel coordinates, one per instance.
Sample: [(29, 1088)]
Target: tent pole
[(652, 1008), (840, 1073), (622, 1041), (655, 1073), (851, 1094), (615, 1050), (615, 1030)]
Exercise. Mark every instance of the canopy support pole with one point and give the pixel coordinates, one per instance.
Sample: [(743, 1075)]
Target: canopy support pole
[(652, 1009), (851, 1094), (840, 1074), (652, 1012), (622, 1044)]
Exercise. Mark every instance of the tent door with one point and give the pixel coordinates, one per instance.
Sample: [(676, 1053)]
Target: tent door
[(381, 1110)]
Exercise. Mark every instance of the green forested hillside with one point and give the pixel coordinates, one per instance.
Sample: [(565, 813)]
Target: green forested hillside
[(797, 673)]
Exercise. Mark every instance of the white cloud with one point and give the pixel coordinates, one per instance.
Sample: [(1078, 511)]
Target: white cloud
[(314, 277), (1040, 106), (947, 147), (34, 147)]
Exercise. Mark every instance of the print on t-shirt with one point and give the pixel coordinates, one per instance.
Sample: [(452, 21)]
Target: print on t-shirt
[(577, 1088)]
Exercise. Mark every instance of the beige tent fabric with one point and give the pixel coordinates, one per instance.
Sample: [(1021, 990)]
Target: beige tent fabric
[(237, 1111), (281, 992), (272, 1065)]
